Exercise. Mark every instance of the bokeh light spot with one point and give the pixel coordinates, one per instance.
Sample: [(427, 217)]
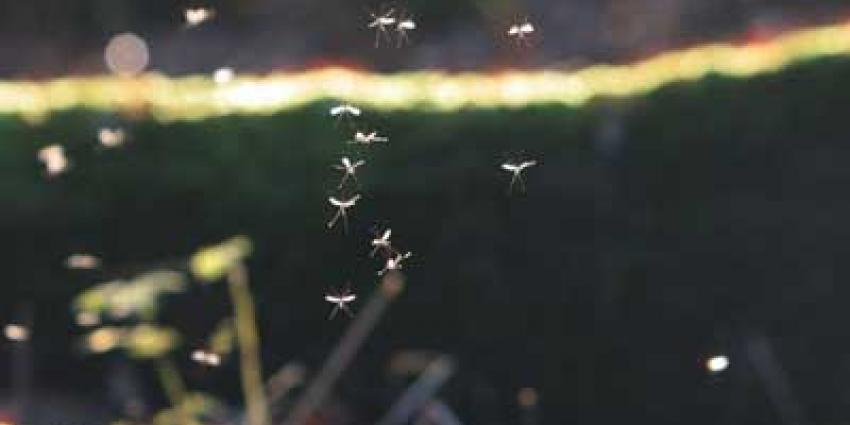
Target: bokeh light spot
[(126, 54)]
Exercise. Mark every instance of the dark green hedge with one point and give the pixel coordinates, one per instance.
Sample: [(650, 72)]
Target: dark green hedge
[(654, 229)]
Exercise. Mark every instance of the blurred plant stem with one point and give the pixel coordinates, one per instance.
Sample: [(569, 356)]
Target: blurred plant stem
[(173, 385), (249, 345), (171, 381)]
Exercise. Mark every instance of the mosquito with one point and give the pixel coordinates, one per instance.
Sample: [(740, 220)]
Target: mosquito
[(110, 138), (517, 170), (345, 111), (206, 358), (380, 22), (224, 75), (198, 15), (16, 332), (402, 27), (521, 31), (394, 263), (53, 158), (342, 206), (382, 243), (349, 169), (340, 300), (82, 262), (361, 138)]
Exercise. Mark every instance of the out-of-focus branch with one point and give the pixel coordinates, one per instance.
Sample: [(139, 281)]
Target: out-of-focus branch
[(172, 383), (437, 412), (418, 394), (281, 384), (391, 286), (249, 345)]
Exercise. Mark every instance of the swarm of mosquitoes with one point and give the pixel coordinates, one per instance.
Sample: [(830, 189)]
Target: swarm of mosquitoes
[(384, 25), (347, 198), (392, 27)]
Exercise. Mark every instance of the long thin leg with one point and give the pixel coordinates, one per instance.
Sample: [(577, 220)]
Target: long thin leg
[(347, 310), (521, 182), (335, 218), (378, 32), (343, 180), (333, 312), (513, 181), (388, 37), (374, 251), (344, 221)]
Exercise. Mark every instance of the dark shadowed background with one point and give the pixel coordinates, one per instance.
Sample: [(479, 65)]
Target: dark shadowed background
[(40, 38)]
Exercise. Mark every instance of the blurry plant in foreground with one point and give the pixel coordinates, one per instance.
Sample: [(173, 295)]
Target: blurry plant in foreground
[(213, 262), (194, 409), (137, 299), (133, 304), (141, 341)]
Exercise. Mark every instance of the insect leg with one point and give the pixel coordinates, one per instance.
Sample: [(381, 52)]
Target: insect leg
[(344, 220), (335, 218), (343, 180)]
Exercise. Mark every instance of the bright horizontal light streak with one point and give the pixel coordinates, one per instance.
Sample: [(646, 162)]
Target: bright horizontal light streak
[(198, 97)]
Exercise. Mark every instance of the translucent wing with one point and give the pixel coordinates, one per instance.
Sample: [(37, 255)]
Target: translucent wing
[(336, 110), (526, 28), (334, 201), (387, 234), (332, 299), (513, 30), (348, 298), (509, 167), (359, 163)]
